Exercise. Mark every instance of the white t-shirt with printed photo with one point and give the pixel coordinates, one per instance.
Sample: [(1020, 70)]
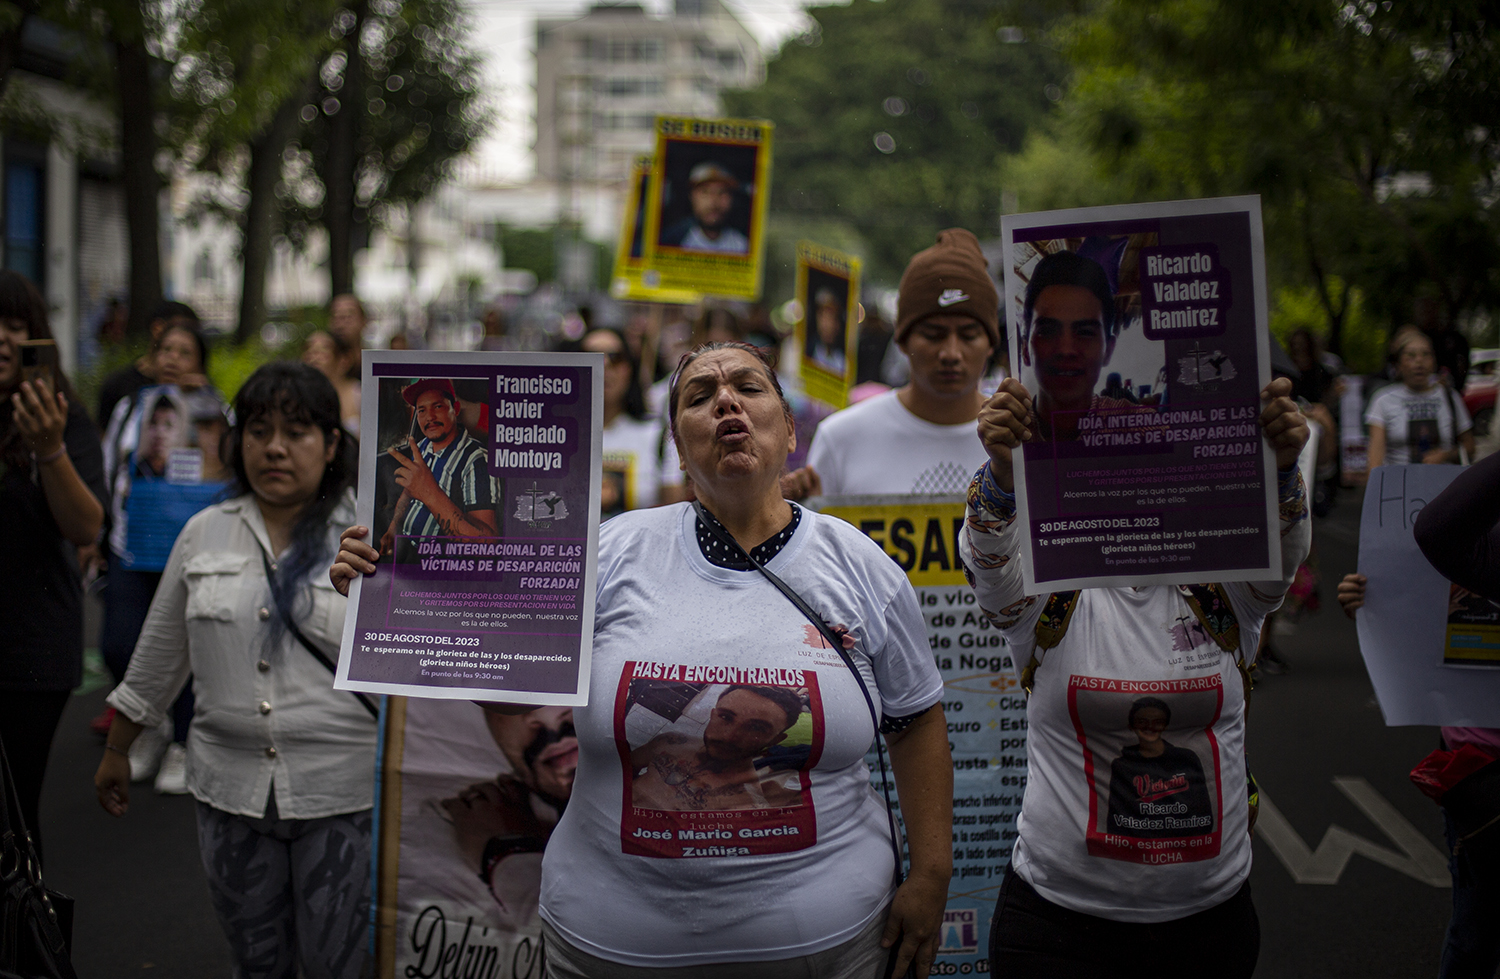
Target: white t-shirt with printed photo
[(1413, 421), (879, 447), (722, 810)]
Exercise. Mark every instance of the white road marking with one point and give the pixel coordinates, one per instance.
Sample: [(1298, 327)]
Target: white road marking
[(1417, 858)]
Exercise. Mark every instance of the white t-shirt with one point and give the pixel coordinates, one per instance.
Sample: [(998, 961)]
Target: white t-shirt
[(878, 447), (634, 471), (1412, 421), (696, 832)]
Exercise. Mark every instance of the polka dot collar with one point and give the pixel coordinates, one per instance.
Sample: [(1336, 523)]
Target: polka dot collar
[(720, 555)]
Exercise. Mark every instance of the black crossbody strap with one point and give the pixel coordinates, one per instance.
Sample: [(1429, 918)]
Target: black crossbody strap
[(318, 654), (833, 639)]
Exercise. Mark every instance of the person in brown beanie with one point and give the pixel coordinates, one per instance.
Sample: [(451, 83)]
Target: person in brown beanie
[(921, 438)]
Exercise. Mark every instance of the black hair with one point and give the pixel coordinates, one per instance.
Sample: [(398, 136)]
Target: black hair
[(786, 699), (635, 397), (192, 330), (21, 300), (302, 394), (171, 310), (712, 345), (1071, 269), (1148, 703)]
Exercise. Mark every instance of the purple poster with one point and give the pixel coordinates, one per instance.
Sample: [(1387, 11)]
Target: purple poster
[(1140, 332), (479, 478)]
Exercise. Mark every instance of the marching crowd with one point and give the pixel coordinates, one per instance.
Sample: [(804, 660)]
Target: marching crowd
[(220, 646)]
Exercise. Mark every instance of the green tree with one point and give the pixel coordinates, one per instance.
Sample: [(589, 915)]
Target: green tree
[(890, 118)]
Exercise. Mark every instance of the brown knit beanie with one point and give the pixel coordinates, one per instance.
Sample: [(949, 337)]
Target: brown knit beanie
[(949, 277)]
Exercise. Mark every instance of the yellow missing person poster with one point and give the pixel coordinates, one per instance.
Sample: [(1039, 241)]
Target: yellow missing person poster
[(828, 331), (706, 211), (632, 279)]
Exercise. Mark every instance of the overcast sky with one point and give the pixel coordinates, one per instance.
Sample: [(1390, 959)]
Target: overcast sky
[(504, 32)]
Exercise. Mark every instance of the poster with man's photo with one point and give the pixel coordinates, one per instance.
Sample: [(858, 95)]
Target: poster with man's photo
[(468, 802), (1141, 333), (479, 480), (176, 468), (828, 331), (706, 212), (633, 280)]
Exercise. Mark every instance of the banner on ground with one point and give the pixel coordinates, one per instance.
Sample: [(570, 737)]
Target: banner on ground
[(1431, 647), (982, 699), (632, 280), (828, 331), (706, 211), (1142, 337), (479, 477)]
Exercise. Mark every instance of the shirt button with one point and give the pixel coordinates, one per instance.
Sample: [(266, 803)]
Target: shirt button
[(263, 666), (270, 752), (263, 612), (265, 707)]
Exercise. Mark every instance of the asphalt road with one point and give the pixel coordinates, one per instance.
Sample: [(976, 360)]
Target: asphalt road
[(143, 907)]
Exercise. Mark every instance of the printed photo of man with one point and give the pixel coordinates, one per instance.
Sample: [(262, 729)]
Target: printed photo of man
[(163, 428), (446, 489), (825, 341), (711, 193), (674, 771)]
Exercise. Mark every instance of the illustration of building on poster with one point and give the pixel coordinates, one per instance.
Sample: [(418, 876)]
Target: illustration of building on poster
[(706, 212), (479, 478), (982, 699), (1142, 336), (828, 331), (632, 280)]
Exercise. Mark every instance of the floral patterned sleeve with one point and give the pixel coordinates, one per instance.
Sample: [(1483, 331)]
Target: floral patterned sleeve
[(990, 545)]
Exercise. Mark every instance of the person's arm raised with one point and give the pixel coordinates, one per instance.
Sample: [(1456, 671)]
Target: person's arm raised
[(923, 767)]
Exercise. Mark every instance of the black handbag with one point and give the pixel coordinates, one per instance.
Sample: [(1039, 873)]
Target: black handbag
[(36, 925)]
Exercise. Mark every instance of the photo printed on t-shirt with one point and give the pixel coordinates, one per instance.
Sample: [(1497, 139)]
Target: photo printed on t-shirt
[(716, 759), (1151, 763)]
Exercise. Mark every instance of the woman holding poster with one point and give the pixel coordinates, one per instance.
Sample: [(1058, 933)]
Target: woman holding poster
[(721, 821), (282, 765), (1148, 824), (1418, 420)]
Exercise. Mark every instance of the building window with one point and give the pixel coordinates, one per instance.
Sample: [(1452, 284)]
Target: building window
[(25, 217), (602, 49)]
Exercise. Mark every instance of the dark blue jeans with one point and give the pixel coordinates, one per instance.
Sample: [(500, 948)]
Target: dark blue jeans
[(127, 599), (1472, 948)]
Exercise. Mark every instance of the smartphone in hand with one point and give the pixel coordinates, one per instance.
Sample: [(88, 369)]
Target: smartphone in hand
[(39, 361)]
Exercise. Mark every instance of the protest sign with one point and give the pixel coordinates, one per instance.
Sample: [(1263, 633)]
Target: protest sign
[(479, 478), (706, 212), (173, 468), (982, 698), (1141, 333), (467, 802), (1432, 649), (828, 330), (632, 280)]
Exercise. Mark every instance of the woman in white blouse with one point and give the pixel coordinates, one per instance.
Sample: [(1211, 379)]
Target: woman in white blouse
[(282, 765)]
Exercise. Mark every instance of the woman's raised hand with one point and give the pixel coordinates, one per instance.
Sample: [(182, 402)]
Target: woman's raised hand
[(355, 558), (41, 416)]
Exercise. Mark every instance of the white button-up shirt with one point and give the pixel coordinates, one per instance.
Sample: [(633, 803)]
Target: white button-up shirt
[(266, 712)]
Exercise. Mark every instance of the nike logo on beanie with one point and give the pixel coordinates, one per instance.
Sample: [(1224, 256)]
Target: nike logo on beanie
[(951, 297)]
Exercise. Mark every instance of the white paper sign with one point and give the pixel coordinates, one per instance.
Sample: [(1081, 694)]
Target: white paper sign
[(1404, 622)]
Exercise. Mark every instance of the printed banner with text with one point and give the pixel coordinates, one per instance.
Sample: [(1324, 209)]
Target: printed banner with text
[(985, 706), (479, 478), (1141, 335)]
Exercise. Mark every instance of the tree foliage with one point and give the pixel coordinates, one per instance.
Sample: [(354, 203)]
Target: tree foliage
[(890, 118), (1366, 127)]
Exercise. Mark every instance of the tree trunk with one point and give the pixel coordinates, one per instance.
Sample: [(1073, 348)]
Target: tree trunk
[(10, 41), (142, 184), (261, 214), (339, 206)]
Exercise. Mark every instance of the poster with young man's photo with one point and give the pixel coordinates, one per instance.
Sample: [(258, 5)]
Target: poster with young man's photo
[(706, 212), (1141, 333), (479, 480), (633, 280), (828, 331)]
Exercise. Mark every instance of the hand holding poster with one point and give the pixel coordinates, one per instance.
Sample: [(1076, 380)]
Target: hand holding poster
[(828, 332), (1142, 338), (1432, 648), (479, 476), (706, 217)]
